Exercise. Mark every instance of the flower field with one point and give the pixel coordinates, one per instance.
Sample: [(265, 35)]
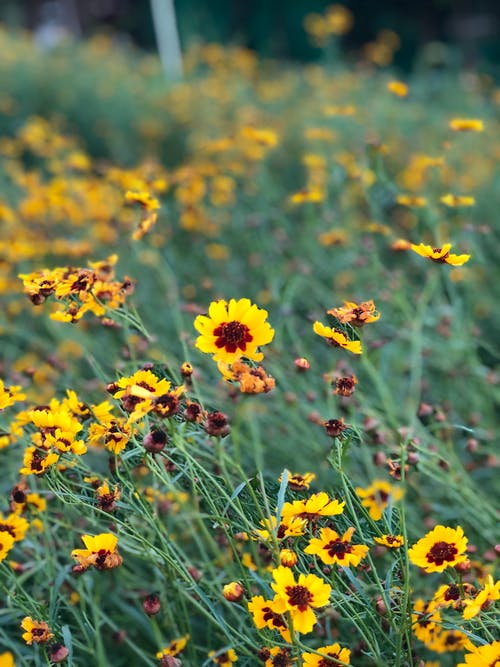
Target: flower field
[(248, 382)]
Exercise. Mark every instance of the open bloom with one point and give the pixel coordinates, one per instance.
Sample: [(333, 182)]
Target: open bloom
[(442, 547), (390, 541), (331, 548), (35, 631), (483, 600), (300, 597), (337, 338), (331, 654), (224, 659), (266, 615), (376, 497), (100, 552), (174, 648), (483, 656), (357, 315), (312, 508), (233, 330), (440, 255)]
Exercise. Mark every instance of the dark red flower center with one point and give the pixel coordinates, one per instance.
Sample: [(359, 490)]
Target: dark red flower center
[(232, 335), (299, 596), (452, 593), (440, 259), (328, 662), (441, 552), (276, 619), (338, 548)]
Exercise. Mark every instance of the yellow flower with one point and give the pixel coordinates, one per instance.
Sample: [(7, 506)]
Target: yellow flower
[(376, 497), (337, 338), (298, 482), (442, 547), (300, 597), (426, 620), (7, 659), (10, 395), (233, 330), (14, 525), (390, 541), (411, 200), (457, 200), (398, 88), (314, 195), (290, 526), (276, 656), (100, 552), (224, 659), (487, 655), (332, 653), (466, 125), (35, 631), (6, 544), (331, 548), (440, 255), (266, 615), (36, 462), (312, 508), (174, 648), (483, 600), (357, 315)]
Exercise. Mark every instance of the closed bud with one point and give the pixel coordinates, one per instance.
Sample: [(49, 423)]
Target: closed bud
[(155, 441), (58, 653), (380, 606), (288, 558), (151, 604), (233, 591), (301, 364), (463, 568)]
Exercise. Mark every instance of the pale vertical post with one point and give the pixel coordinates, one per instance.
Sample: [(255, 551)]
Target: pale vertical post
[(167, 37)]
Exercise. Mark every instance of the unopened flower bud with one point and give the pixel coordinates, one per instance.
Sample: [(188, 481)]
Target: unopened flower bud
[(151, 604), (463, 568), (155, 441), (301, 364), (288, 558), (58, 653), (233, 591), (380, 606), (216, 424)]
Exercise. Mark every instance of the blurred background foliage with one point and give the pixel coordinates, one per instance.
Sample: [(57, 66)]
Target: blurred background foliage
[(458, 32)]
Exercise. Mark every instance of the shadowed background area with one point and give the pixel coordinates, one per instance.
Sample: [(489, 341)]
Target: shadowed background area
[(458, 32)]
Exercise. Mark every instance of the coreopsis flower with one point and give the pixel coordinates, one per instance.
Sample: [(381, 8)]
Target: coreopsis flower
[(426, 620), (337, 338), (357, 315), (6, 544), (7, 659), (312, 508), (398, 88), (331, 548), (144, 392), (10, 395), (487, 655), (268, 614), (376, 497), (251, 380), (112, 433), (174, 648), (447, 641), (107, 497), (36, 461), (483, 600), (290, 526), (224, 659), (345, 386), (411, 200), (442, 547), (441, 255), (100, 552), (390, 541), (14, 525), (454, 201), (35, 631), (298, 482), (314, 195), (276, 657), (149, 206), (335, 427), (233, 330), (401, 245), (329, 656), (466, 125), (450, 595), (300, 597)]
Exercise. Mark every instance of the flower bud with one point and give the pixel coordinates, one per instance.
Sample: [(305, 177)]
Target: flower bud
[(233, 591), (288, 558), (58, 653), (151, 604)]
